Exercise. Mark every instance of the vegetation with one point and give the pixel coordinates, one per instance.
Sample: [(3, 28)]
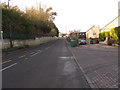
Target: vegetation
[(102, 36), (114, 33), (28, 25)]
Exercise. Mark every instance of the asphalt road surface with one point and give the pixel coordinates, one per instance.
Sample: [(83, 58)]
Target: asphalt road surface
[(49, 65)]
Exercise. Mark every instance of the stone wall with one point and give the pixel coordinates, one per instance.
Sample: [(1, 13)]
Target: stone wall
[(30, 42)]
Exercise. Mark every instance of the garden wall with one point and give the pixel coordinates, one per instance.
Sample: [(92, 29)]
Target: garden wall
[(30, 42)]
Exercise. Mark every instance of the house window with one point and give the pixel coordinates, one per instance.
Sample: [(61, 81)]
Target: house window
[(94, 33)]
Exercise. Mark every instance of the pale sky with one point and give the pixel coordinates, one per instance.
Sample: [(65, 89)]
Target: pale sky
[(76, 14)]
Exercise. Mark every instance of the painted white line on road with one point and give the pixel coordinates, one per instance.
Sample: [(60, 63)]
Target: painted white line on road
[(47, 48), (66, 57), (34, 54), (5, 62), (26, 58), (8, 67), (22, 56), (39, 50)]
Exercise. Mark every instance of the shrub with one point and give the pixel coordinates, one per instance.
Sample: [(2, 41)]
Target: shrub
[(102, 36), (107, 34), (115, 33)]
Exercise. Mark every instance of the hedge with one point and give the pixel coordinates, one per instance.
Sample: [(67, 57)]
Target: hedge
[(114, 33)]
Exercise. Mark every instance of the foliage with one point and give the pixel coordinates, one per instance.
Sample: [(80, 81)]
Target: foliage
[(27, 25), (42, 18), (102, 36), (107, 34), (114, 33), (15, 21)]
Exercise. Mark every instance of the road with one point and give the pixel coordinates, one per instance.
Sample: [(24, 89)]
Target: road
[(49, 65)]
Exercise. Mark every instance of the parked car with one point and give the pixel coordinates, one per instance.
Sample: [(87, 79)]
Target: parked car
[(82, 42)]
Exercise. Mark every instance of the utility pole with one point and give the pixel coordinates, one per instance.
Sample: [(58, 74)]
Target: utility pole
[(2, 39), (11, 45)]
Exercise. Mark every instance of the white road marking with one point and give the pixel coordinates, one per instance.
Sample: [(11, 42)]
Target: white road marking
[(39, 50), (34, 54), (22, 56), (8, 67), (26, 58), (66, 57), (47, 48), (5, 61)]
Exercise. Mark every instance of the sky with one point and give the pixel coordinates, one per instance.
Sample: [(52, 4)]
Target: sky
[(76, 14)]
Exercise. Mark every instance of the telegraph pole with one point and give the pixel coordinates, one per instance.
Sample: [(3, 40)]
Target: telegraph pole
[(2, 39), (11, 45)]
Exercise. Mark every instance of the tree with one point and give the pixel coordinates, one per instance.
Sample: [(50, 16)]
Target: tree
[(15, 22), (24, 25), (42, 18)]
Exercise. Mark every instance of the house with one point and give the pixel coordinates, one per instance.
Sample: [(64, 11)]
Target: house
[(82, 35), (92, 35)]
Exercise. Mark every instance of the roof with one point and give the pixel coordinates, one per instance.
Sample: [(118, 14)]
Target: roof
[(110, 22), (90, 28)]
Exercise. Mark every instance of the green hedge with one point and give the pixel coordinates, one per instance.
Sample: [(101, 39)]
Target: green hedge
[(114, 33), (14, 36), (102, 36)]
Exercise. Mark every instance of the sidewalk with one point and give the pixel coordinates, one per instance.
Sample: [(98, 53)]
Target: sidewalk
[(100, 47), (99, 67)]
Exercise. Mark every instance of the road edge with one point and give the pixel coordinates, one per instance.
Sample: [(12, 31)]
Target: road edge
[(86, 77)]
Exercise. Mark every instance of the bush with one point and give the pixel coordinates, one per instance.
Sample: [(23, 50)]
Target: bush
[(102, 36), (107, 34), (115, 33)]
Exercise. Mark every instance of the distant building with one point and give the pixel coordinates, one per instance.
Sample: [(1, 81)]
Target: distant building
[(82, 35), (92, 35)]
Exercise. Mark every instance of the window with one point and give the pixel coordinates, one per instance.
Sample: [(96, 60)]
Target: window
[(94, 33)]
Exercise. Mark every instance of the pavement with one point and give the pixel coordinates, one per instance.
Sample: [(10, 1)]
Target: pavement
[(51, 65), (100, 46), (99, 64)]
